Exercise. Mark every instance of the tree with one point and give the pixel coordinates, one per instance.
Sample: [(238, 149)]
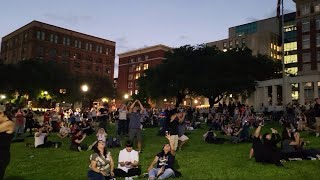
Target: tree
[(207, 71)]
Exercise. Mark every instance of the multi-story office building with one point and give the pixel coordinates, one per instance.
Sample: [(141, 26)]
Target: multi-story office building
[(132, 65), (82, 53)]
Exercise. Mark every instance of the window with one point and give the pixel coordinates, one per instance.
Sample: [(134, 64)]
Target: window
[(130, 85), (51, 38), (230, 44), (292, 71), (38, 35), (107, 51), (131, 68), (318, 39), (75, 43), (290, 59), (243, 42), (53, 53), (40, 51), (146, 57), (292, 46), (305, 25), (137, 76), (145, 66), (130, 77), (55, 39), (100, 50), (97, 49), (306, 67), (318, 22), (136, 91), (130, 92), (305, 41), (131, 60), (65, 54), (138, 68), (237, 43), (306, 57), (25, 36), (305, 9), (87, 46), (66, 41), (317, 7), (79, 45), (224, 45), (42, 36), (139, 59), (90, 47), (136, 84)]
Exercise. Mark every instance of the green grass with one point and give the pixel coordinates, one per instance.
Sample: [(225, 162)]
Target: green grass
[(197, 160)]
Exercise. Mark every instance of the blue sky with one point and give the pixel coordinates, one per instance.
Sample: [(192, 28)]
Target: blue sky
[(134, 24)]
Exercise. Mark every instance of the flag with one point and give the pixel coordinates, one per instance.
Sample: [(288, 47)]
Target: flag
[(278, 9)]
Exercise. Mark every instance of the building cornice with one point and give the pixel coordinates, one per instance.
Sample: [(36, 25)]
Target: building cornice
[(145, 50)]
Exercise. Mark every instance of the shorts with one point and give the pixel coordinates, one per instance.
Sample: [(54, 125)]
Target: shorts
[(135, 133), (183, 138), (174, 139)]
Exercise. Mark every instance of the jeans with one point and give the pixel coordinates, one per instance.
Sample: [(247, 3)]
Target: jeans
[(95, 176), (166, 174), (122, 127), (19, 131)]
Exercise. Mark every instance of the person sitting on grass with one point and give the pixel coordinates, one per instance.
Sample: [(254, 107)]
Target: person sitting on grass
[(64, 131), (101, 136), (292, 147), (164, 162), (128, 163), (40, 139), (101, 163), (265, 147), (211, 137), (76, 141)]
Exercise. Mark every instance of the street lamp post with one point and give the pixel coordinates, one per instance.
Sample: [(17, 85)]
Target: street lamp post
[(85, 89)]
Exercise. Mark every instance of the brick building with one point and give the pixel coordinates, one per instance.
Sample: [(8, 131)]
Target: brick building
[(133, 63), (82, 53)]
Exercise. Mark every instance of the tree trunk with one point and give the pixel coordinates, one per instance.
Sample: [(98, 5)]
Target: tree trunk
[(214, 99), (179, 99)]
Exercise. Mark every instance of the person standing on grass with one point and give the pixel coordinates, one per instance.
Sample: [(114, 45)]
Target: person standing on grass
[(135, 130), (128, 163), (6, 136), (20, 121), (164, 162), (317, 116), (122, 123), (175, 120), (29, 122), (101, 163), (103, 116)]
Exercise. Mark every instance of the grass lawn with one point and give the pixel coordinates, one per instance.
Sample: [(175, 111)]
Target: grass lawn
[(197, 160)]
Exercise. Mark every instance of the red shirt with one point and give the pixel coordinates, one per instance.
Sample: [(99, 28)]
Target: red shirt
[(19, 118)]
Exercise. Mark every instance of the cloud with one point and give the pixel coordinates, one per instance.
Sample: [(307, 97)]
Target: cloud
[(70, 19)]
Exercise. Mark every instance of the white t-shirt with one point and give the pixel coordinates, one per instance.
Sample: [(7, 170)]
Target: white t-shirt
[(101, 137), (125, 156), (39, 140), (64, 130), (123, 114)]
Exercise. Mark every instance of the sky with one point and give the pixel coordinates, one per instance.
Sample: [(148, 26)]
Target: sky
[(134, 24)]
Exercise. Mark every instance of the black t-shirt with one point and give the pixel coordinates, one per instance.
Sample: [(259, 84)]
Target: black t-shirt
[(317, 110), (166, 160), (173, 126)]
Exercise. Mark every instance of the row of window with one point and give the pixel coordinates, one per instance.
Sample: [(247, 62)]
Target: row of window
[(131, 92), (130, 84), (306, 57), (65, 54), (77, 43), (236, 42), (306, 9), (306, 41), (138, 59), (135, 76), (138, 67), (306, 24)]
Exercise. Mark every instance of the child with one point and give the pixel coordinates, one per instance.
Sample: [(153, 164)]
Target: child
[(101, 136)]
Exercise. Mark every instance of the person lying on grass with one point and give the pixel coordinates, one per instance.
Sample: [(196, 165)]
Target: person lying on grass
[(265, 148), (293, 147), (164, 162)]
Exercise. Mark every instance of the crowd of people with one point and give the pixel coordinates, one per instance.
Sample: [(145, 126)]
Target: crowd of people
[(227, 123)]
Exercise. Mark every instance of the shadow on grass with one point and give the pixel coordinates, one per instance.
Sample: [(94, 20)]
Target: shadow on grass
[(14, 178)]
